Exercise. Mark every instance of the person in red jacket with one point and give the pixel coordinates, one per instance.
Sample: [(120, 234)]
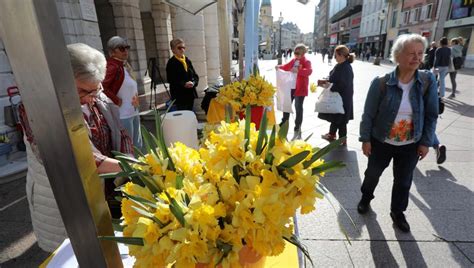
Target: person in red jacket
[(120, 86), (302, 67)]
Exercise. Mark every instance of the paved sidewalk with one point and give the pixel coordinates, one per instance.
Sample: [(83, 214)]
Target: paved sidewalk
[(441, 208)]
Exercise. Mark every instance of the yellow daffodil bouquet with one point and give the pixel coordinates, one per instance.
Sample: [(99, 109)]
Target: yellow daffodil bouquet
[(254, 91), (240, 190)]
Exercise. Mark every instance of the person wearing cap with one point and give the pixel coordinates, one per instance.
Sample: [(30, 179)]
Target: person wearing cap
[(182, 77), (120, 86)]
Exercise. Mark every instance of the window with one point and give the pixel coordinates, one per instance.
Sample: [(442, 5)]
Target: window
[(405, 16), (429, 10), (394, 18), (417, 14)]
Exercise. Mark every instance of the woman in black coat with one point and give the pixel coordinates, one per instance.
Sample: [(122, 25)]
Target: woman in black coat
[(342, 79), (181, 76)]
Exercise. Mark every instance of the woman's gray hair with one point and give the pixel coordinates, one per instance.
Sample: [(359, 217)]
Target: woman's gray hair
[(402, 42), (88, 64)]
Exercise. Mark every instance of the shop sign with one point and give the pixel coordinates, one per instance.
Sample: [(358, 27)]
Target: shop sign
[(333, 39), (356, 21), (344, 24), (426, 33)]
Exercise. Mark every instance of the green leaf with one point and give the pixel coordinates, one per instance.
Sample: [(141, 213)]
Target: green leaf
[(114, 175), (331, 146), (176, 210), (129, 159), (295, 241), (328, 166), (137, 241), (149, 142), (283, 131), (150, 184), (225, 248), (140, 200), (247, 126), (235, 173), (228, 113), (262, 132), (271, 144), (179, 181), (294, 160), (149, 215), (309, 137), (116, 225), (137, 152), (131, 173), (161, 139)]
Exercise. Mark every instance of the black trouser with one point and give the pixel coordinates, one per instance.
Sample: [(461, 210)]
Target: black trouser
[(452, 76), (299, 110), (405, 158), (342, 127), (185, 104)]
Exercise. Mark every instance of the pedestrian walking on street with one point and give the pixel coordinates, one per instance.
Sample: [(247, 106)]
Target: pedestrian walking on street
[(302, 67), (441, 64), (399, 123), (456, 55), (105, 133), (430, 56), (182, 77), (324, 51), (121, 87), (342, 79)]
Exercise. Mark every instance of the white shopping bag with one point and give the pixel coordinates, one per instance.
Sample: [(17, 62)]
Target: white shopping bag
[(285, 82), (329, 102)]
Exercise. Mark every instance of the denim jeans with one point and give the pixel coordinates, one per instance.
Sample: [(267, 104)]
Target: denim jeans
[(132, 126), (435, 142), (443, 71), (299, 110), (405, 158)]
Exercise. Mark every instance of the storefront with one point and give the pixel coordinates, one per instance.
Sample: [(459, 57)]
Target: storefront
[(460, 23)]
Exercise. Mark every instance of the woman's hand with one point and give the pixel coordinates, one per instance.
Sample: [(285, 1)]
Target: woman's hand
[(366, 148), (189, 84), (135, 101), (422, 151), (277, 67)]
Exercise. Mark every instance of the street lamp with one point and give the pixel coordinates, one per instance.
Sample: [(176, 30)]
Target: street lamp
[(280, 20), (274, 42), (379, 53)]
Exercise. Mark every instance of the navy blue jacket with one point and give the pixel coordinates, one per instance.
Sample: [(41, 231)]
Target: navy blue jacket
[(381, 109)]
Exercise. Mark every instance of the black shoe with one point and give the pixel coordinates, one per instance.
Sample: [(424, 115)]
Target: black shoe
[(363, 206), (452, 96), (400, 221), (440, 154)]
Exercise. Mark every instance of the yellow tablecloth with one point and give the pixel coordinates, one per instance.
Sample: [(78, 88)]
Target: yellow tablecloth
[(216, 114)]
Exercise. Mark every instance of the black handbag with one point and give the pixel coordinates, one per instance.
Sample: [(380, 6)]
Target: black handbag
[(457, 62)]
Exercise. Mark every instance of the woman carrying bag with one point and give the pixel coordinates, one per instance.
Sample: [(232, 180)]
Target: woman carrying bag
[(342, 79)]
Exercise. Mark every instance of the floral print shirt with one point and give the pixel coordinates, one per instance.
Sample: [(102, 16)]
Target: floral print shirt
[(402, 130)]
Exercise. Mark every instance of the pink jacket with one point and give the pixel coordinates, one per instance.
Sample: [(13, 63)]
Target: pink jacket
[(302, 79)]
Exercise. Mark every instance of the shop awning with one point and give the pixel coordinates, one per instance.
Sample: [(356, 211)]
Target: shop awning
[(193, 6)]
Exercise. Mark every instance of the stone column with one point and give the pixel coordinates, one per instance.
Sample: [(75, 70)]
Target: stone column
[(191, 29), (211, 33), (129, 25), (162, 18)]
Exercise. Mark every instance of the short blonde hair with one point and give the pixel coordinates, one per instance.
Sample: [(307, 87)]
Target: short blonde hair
[(175, 42), (301, 48), (402, 42)]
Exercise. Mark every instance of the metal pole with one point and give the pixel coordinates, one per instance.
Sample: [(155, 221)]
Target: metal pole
[(32, 35), (279, 50), (377, 58), (224, 46)]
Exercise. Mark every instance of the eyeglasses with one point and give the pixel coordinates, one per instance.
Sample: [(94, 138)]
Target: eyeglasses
[(84, 92), (181, 48), (122, 49)]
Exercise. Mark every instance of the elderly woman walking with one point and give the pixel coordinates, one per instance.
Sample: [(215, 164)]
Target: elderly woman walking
[(398, 123), (105, 133)]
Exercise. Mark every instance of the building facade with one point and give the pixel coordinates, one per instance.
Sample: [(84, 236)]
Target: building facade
[(266, 35), (322, 32), (373, 26)]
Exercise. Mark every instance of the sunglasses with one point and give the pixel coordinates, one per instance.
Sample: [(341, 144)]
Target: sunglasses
[(122, 49), (181, 47)]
